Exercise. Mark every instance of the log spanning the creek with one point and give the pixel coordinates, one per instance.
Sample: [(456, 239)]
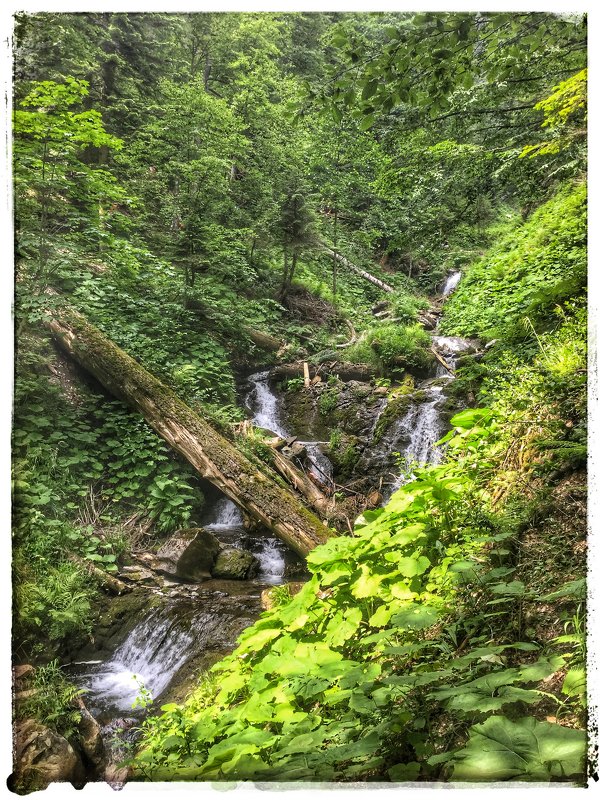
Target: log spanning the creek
[(213, 456), (385, 287)]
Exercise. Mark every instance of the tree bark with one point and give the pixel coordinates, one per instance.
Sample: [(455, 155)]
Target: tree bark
[(215, 458), (264, 340), (363, 273)]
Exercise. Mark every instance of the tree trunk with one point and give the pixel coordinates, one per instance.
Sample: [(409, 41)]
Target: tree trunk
[(215, 458), (363, 273), (263, 340), (303, 484)]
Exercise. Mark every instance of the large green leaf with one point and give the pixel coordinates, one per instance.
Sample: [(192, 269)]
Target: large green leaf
[(500, 750)]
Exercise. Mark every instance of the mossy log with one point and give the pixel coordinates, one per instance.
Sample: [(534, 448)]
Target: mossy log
[(215, 458), (362, 272), (302, 483), (263, 340)]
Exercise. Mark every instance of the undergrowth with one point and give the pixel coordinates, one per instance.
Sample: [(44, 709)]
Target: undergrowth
[(392, 661)]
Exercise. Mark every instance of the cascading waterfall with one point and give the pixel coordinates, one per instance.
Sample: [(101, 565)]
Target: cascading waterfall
[(451, 283), (227, 516), (264, 406), (177, 632), (417, 432), (320, 466), (149, 657)]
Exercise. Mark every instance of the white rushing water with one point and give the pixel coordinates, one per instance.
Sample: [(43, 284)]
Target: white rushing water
[(320, 466), (227, 516), (264, 405), (272, 563), (451, 283), (150, 656)]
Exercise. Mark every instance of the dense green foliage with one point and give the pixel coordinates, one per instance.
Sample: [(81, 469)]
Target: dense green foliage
[(519, 283), (366, 670), (425, 669), (188, 181)]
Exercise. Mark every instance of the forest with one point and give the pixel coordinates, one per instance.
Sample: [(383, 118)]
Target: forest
[(299, 434)]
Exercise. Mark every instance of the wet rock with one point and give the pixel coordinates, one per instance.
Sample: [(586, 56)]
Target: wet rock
[(359, 390), (189, 554), (235, 563), (428, 319), (140, 575), (118, 617), (42, 757), (296, 450)]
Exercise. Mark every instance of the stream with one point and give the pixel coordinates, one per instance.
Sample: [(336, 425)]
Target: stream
[(184, 628)]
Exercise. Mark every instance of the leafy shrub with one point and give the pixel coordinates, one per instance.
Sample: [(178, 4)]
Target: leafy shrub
[(328, 401), (534, 267), (53, 700), (52, 608), (393, 347)]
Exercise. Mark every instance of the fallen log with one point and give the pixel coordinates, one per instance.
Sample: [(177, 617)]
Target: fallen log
[(442, 360), (352, 339), (263, 340), (114, 585), (363, 273), (303, 484), (213, 456)]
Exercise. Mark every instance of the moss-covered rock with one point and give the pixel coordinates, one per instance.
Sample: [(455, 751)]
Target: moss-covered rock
[(236, 564)]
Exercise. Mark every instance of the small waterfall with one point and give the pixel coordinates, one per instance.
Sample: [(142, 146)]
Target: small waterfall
[(272, 563), (227, 516), (150, 656), (264, 405), (320, 467), (414, 436), (425, 430), (451, 347), (451, 283)]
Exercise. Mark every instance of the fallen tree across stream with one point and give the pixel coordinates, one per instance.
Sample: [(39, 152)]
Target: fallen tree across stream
[(213, 456), (362, 272)]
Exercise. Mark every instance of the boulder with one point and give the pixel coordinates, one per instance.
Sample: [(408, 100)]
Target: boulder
[(189, 554), (235, 563), (296, 450), (42, 757), (139, 574)]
